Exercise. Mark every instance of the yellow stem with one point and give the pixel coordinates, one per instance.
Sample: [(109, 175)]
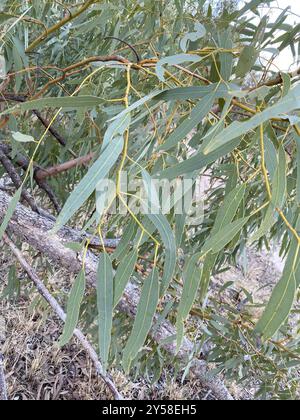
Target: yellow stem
[(58, 25)]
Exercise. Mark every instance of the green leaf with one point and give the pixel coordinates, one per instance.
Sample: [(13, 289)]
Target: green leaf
[(224, 236), (287, 104), (279, 306), (69, 102), (278, 197), (198, 113), (191, 277), (297, 139), (10, 211), (221, 90), (22, 138), (199, 33), (123, 274), (173, 60), (116, 128), (198, 162), (162, 225), (226, 58), (128, 236), (87, 185), (224, 217), (229, 208), (73, 308), (105, 297), (143, 320), (247, 60)]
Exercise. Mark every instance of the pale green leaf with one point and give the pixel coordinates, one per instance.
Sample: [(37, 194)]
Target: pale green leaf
[(10, 211), (105, 297), (285, 105), (123, 274), (73, 308), (88, 184), (144, 318), (191, 278)]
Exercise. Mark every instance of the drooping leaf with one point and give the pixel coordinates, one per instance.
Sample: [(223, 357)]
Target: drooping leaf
[(173, 60), (73, 308), (287, 104), (282, 299), (200, 32), (162, 225), (196, 116), (224, 236), (10, 211), (247, 60), (143, 320), (105, 299), (191, 278), (123, 274), (88, 184), (278, 197), (22, 138)]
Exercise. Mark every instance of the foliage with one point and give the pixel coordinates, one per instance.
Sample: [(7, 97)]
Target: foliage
[(174, 105)]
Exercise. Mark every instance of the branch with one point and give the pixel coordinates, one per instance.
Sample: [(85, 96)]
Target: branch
[(23, 162), (34, 229), (61, 314), (58, 25), (42, 174)]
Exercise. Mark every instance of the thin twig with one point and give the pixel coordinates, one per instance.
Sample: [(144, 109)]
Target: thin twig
[(62, 315), (42, 174)]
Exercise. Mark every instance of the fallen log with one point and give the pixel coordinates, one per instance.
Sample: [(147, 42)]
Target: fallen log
[(34, 229)]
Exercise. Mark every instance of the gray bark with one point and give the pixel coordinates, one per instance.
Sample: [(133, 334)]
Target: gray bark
[(34, 229)]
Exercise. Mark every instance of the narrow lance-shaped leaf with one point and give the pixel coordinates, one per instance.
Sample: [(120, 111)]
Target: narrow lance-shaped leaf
[(282, 299), (116, 129), (73, 308), (143, 320), (221, 239), (162, 225), (199, 112), (173, 60), (247, 60), (198, 162), (70, 102), (105, 297), (297, 139), (87, 185), (10, 211), (123, 274), (287, 104), (191, 277), (278, 197), (224, 216)]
